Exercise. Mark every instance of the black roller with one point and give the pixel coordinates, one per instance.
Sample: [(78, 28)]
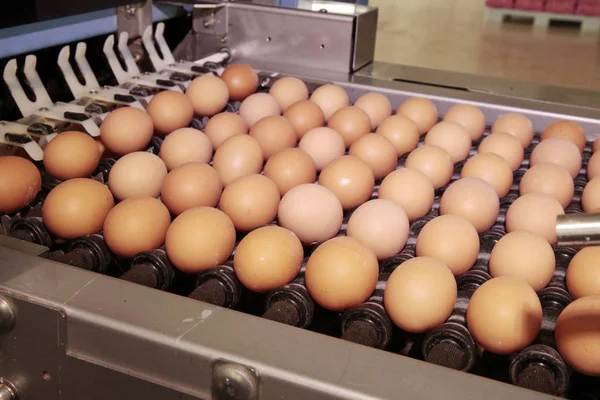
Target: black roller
[(361, 332), (284, 312), (218, 286), (152, 269), (30, 229)]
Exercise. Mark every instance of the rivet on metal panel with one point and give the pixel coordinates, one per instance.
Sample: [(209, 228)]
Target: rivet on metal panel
[(8, 315), (8, 391), (231, 381), (268, 39)]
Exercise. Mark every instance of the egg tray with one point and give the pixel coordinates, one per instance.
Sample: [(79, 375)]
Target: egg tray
[(538, 367)]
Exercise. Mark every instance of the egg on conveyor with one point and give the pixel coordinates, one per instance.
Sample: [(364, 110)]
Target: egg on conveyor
[(517, 125), (590, 198), (241, 81), (208, 95), (376, 105), (126, 130), (20, 182), (468, 116), (185, 145), (136, 224), (288, 90), (583, 273), (170, 110), (377, 152), (401, 131), (350, 179), (323, 145), (137, 174), (473, 199), (410, 189), (434, 162), (274, 133), (452, 137), (290, 168), (506, 146), (222, 126), (71, 155), (558, 151), (569, 130), (257, 106), (550, 179), (491, 168), (238, 156), (535, 213), (304, 116), (421, 111), (191, 185), (330, 98)]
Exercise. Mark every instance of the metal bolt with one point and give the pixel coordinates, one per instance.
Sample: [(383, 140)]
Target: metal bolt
[(130, 10), (8, 315), (268, 39), (8, 391), (209, 23), (232, 381), (224, 39)]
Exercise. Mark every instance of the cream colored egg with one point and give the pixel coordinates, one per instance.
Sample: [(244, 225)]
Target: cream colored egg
[(323, 145)]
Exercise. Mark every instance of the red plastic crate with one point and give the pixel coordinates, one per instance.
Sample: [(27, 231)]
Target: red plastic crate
[(588, 9), (500, 3), (533, 5), (561, 6)]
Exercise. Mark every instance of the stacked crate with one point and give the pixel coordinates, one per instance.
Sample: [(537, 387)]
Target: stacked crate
[(579, 7)]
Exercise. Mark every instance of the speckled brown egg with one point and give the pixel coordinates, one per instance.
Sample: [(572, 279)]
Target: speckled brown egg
[(20, 182), (517, 125), (126, 130), (274, 133), (71, 155), (288, 90), (304, 116), (170, 110), (290, 168), (376, 105), (191, 185), (238, 156), (208, 95), (185, 145), (77, 207), (241, 81), (468, 116), (350, 179), (569, 130), (136, 224), (330, 98), (401, 131), (224, 125), (351, 123), (377, 152), (421, 111), (137, 174)]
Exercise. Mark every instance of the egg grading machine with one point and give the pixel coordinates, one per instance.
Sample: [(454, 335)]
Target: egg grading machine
[(68, 333)]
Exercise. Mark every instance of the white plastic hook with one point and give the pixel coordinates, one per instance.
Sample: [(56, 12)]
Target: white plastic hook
[(167, 57), (91, 83), (132, 68), (26, 106)]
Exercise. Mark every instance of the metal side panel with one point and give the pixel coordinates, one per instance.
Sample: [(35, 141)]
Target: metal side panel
[(70, 321)]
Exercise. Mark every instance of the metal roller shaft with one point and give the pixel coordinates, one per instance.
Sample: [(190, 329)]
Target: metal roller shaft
[(578, 230)]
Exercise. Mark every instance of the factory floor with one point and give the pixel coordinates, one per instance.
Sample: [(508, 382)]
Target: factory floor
[(453, 35)]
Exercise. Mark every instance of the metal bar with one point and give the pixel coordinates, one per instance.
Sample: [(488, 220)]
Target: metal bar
[(578, 230)]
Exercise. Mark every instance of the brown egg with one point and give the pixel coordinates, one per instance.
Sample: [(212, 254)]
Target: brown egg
[(101, 147), (257, 106), (288, 90), (504, 315), (517, 125), (451, 239), (593, 167), (474, 199), (468, 116), (350, 179), (20, 182), (330, 98), (535, 213), (577, 335), (381, 225), (560, 152), (596, 145), (241, 81), (136, 224), (290, 168), (304, 116), (583, 274), (126, 130), (567, 130), (199, 239), (420, 294), (376, 105), (506, 146), (523, 255), (401, 131), (549, 179), (262, 266), (452, 137), (432, 161), (169, 111), (377, 152), (185, 145), (191, 185), (71, 155), (351, 123), (208, 95), (491, 168), (341, 274), (312, 212), (137, 174), (238, 156), (250, 201), (410, 189), (421, 111), (323, 145), (224, 125), (77, 207), (274, 133), (590, 198)]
